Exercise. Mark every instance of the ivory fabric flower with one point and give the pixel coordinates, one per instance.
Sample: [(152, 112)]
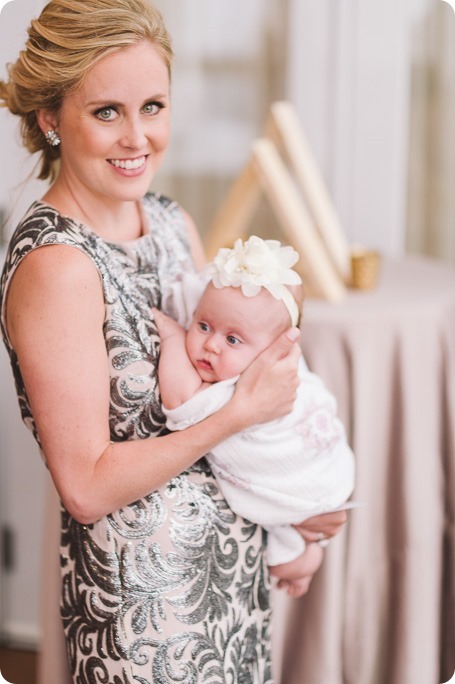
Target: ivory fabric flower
[(258, 263), (254, 264)]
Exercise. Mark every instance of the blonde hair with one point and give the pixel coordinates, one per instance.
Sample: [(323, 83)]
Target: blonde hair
[(68, 38)]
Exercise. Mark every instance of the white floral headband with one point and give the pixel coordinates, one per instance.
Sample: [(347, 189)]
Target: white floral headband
[(258, 263)]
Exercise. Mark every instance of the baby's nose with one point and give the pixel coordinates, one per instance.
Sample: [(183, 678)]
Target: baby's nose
[(212, 344)]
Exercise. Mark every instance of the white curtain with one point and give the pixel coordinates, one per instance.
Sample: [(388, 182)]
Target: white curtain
[(352, 95), (229, 66), (431, 200)]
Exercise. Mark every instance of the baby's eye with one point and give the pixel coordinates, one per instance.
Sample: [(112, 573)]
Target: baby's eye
[(203, 326), (232, 340), (106, 113)]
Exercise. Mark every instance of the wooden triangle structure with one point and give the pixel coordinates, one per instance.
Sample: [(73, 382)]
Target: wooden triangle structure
[(299, 200)]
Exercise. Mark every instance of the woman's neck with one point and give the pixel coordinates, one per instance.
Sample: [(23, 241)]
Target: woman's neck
[(112, 220)]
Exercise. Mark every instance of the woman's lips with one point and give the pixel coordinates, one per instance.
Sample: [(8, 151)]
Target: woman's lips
[(128, 164)]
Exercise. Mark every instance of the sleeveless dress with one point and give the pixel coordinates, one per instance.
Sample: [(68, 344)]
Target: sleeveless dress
[(173, 587)]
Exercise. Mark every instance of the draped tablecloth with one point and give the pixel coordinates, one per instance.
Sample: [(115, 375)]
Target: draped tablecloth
[(381, 610)]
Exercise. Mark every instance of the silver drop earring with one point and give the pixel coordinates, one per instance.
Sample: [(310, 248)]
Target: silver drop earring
[(53, 138)]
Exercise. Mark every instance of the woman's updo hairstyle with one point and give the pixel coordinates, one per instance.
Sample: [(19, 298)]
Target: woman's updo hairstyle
[(67, 39)]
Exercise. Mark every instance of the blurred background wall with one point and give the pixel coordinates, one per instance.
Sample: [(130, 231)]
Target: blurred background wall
[(373, 85)]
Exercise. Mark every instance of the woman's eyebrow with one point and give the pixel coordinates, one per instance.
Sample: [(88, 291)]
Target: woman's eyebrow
[(118, 103)]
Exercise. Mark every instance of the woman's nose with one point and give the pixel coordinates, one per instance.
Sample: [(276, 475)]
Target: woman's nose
[(134, 134)]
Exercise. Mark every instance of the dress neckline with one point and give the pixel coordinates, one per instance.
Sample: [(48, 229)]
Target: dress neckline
[(86, 229)]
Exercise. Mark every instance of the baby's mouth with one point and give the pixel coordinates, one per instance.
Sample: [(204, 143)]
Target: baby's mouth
[(206, 365)]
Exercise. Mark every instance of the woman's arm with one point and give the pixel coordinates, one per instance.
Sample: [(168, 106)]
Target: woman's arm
[(55, 315)]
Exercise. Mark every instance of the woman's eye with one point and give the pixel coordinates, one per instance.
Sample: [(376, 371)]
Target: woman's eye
[(232, 340), (153, 107), (106, 113)]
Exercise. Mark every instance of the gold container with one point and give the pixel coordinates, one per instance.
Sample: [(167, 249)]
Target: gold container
[(365, 266)]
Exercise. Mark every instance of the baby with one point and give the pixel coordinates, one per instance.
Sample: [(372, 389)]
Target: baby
[(275, 474)]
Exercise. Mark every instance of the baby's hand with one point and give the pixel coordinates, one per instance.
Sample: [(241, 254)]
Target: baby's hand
[(295, 588), (166, 325)]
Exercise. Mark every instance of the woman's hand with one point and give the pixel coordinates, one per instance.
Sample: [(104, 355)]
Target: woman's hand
[(267, 388), (322, 527)]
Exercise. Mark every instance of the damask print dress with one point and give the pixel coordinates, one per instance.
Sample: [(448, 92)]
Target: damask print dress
[(174, 587)]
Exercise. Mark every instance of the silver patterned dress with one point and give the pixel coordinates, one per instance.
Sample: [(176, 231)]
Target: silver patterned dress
[(173, 587)]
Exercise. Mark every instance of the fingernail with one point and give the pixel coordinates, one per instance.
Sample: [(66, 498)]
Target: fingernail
[(292, 334)]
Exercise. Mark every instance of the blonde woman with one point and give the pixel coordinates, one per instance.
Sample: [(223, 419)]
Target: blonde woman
[(161, 582)]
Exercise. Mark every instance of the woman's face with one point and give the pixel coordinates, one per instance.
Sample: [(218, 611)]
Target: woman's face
[(114, 129)]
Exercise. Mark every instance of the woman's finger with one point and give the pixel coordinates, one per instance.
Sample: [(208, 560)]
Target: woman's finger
[(281, 346), (323, 526)]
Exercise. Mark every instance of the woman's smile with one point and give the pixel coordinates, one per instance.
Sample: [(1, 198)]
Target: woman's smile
[(129, 164)]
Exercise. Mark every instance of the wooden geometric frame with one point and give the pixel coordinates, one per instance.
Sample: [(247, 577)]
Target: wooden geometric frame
[(300, 202), (284, 128)]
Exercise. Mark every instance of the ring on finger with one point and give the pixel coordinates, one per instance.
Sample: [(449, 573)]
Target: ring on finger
[(322, 540)]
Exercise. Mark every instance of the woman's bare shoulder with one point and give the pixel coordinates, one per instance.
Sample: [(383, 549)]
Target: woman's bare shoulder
[(50, 282), (51, 270)]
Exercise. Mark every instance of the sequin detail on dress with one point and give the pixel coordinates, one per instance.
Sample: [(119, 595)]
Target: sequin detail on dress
[(174, 587)]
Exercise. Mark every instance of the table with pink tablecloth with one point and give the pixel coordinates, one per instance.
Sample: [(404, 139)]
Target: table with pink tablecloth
[(382, 608)]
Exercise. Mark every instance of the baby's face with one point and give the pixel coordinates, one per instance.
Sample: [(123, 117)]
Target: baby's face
[(229, 330)]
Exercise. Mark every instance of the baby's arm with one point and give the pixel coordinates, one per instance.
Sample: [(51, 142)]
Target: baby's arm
[(177, 376)]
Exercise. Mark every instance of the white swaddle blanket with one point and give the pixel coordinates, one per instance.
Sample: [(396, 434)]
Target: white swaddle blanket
[(281, 472)]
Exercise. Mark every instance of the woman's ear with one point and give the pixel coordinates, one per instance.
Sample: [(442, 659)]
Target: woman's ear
[(47, 120)]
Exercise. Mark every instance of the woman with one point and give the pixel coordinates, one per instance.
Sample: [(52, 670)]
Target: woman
[(161, 582)]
